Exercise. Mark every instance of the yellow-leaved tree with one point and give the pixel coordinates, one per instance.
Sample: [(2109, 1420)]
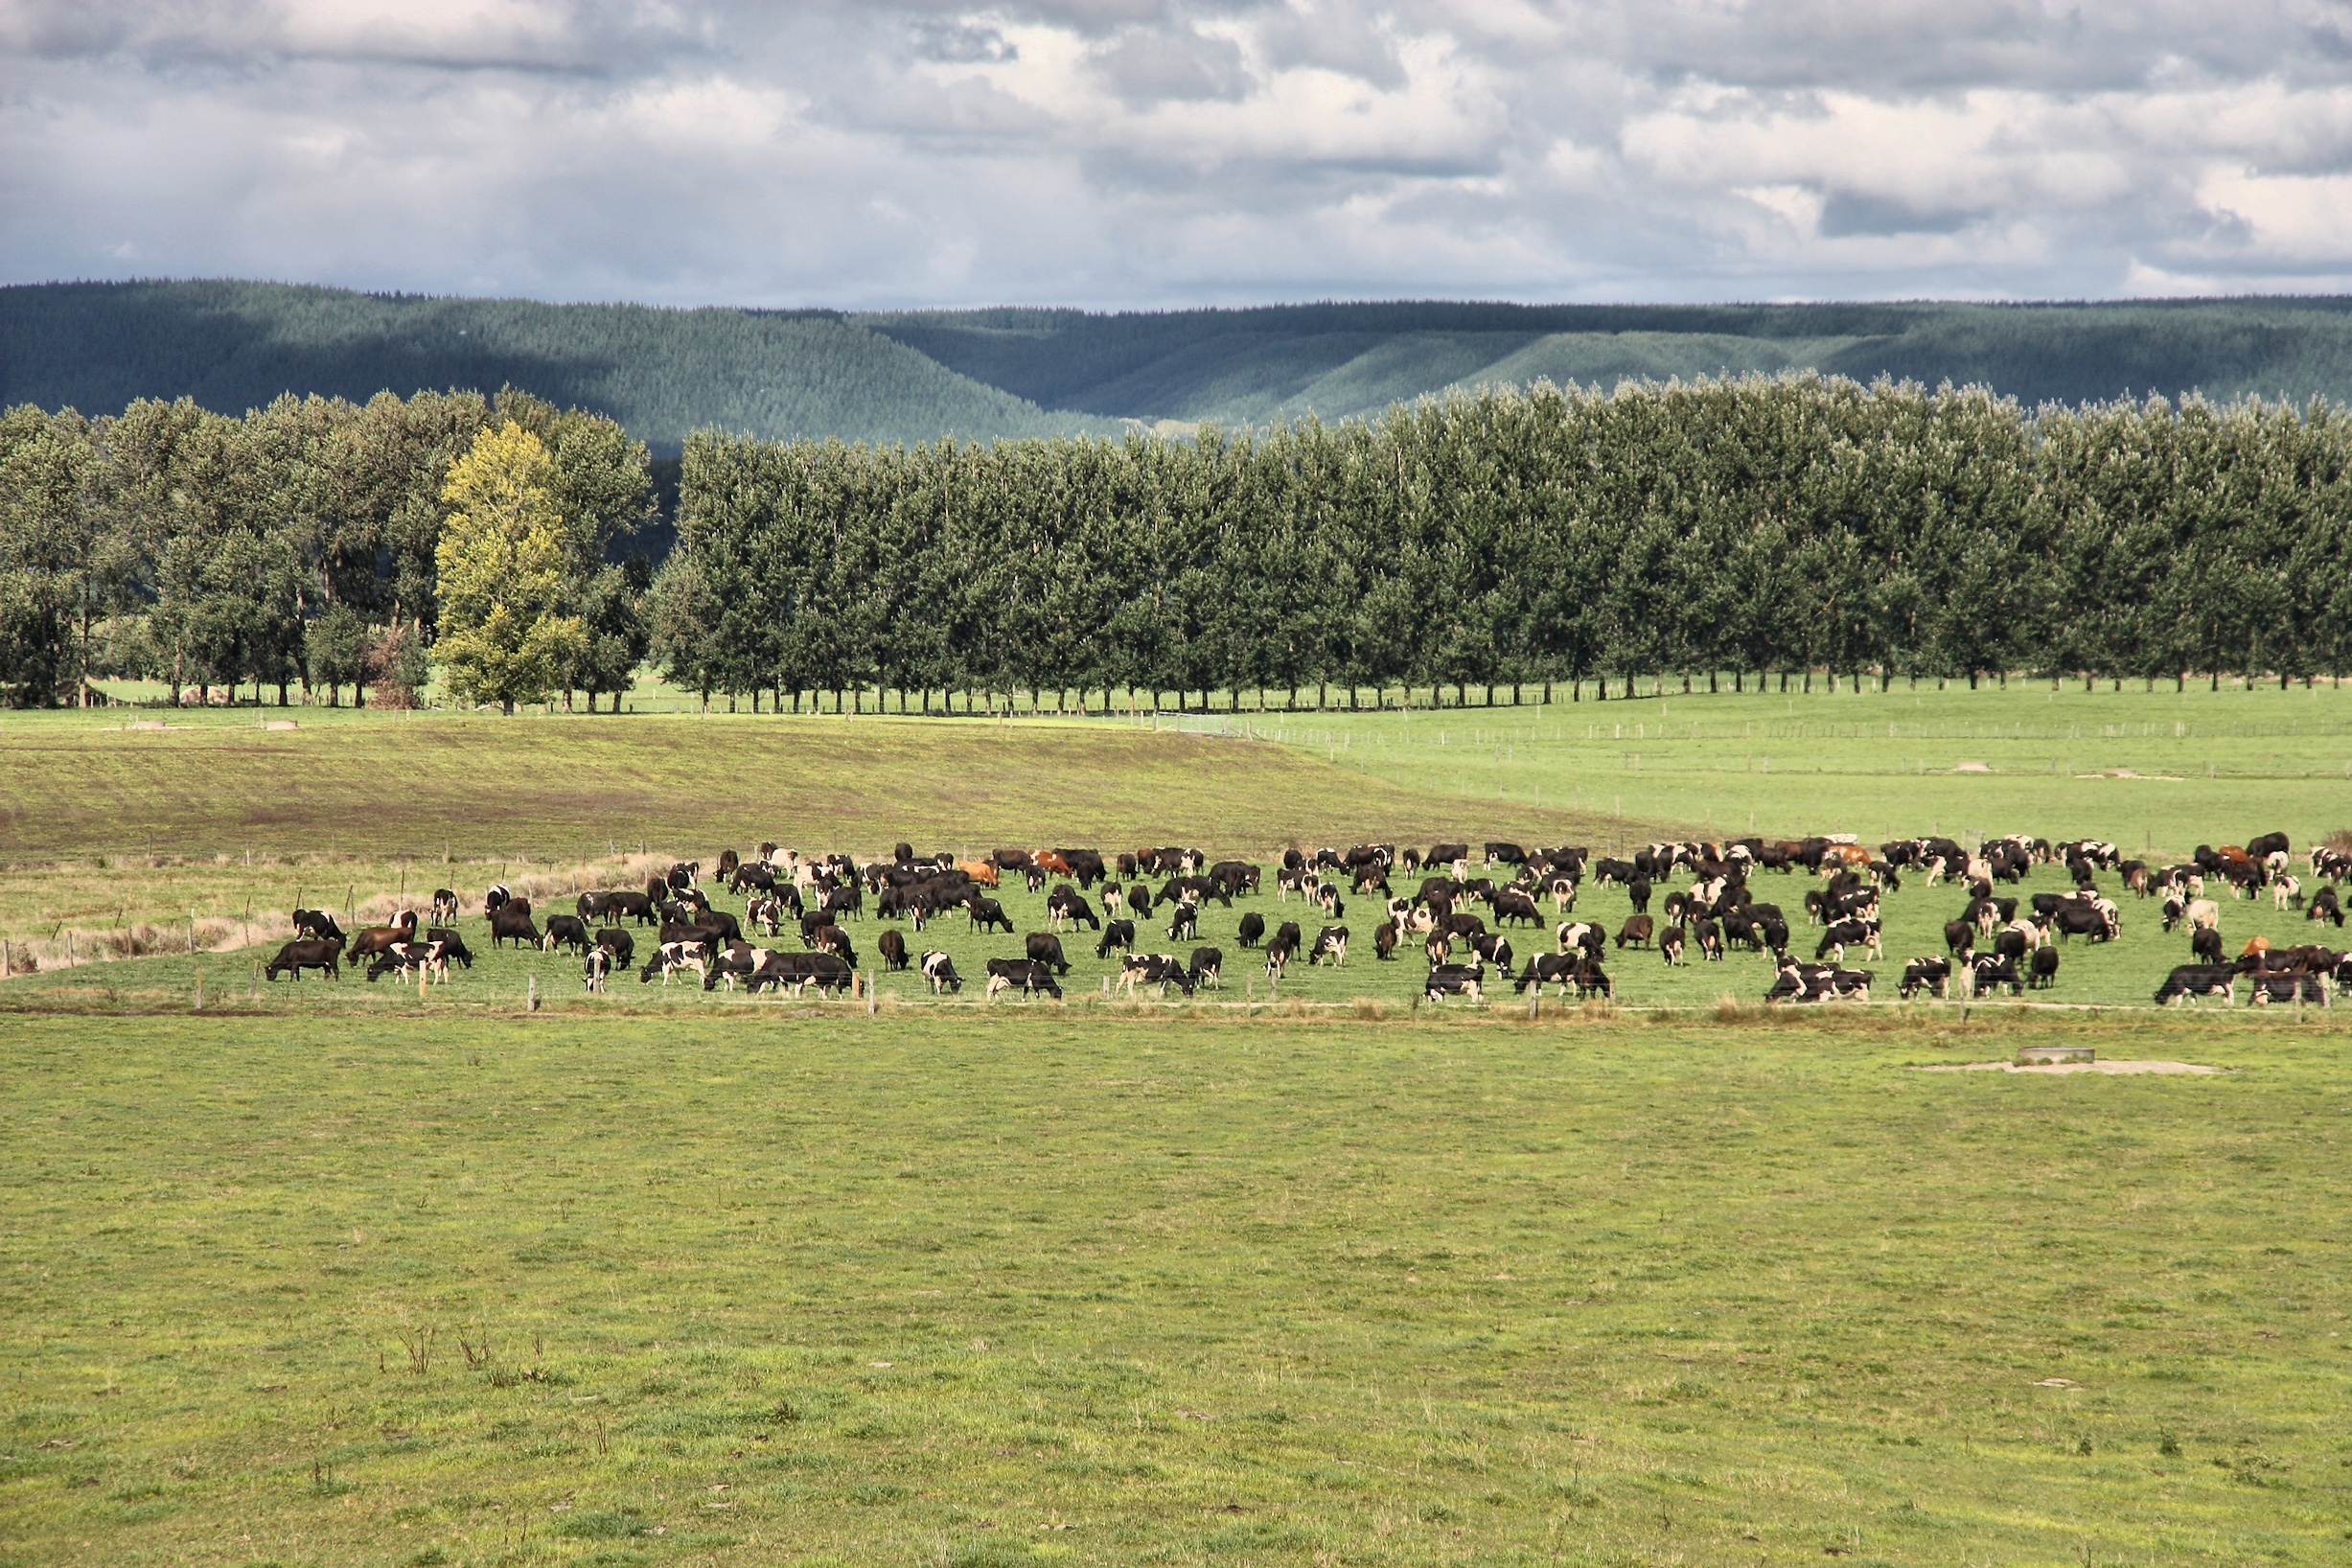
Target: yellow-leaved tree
[(503, 637)]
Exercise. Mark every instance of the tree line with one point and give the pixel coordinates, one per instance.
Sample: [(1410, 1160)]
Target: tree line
[(1718, 530), (306, 544), (1727, 529)]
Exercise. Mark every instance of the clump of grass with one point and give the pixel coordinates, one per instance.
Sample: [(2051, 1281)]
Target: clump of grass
[(1369, 1008)]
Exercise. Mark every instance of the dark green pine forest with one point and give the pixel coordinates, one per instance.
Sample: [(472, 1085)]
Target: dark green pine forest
[(984, 375)]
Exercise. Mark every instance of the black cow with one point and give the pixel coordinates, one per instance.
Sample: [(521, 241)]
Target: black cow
[(320, 924), (598, 967), (1926, 974), (1331, 947), (835, 940), (1118, 934), (1066, 903), (1671, 942), (1989, 971), (1253, 929), (892, 946), (2190, 981), (1283, 947), (511, 922), (1959, 937), (496, 899), (2324, 905), (1029, 974), (2206, 943), (324, 954), (1185, 922), (1047, 949), (2073, 919), (1454, 979), (987, 913), (1208, 967), (1846, 933), (445, 904), (613, 939), (2041, 971), (566, 930)]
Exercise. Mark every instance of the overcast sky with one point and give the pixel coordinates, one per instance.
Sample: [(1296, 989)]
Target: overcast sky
[(1135, 153)]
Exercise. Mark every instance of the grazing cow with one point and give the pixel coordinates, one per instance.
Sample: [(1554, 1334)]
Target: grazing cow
[(986, 913), (1638, 931), (2203, 912), (317, 923), (2206, 944), (1638, 890), (2189, 983), (1446, 854), (1456, 980), (566, 930), (673, 957), (981, 873), (1546, 968), (1208, 967), (1583, 933), (2041, 971), (1850, 933), (1185, 922), (1283, 947), (831, 939), (892, 946), (323, 954), (402, 956), (2324, 905), (369, 940), (2286, 894), (2009, 944), (597, 968), (1989, 971), (684, 875), (1959, 937), (1042, 947), (1118, 934), (1161, 970), (1517, 904), (941, 971), (2082, 920), (511, 922), (611, 939), (1384, 940), (1331, 947), (1029, 974), (1253, 929), (445, 904), (1669, 945), (1066, 903), (1709, 937), (1926, 974), (592, 905), (1138, 901), (2290, 986)]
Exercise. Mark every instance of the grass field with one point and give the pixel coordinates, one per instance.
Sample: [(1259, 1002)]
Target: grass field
[(2158, 771), (1052, 1289), (333, 1274)]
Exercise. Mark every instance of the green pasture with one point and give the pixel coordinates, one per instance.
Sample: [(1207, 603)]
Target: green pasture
[(739, 1289), (2155, 771)]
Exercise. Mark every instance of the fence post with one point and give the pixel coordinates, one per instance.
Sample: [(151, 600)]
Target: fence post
[(531, 995), (874, 998), (199, 999), (253, 986)]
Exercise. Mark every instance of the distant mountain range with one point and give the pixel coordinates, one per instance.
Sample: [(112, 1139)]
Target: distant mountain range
[(917, 376)]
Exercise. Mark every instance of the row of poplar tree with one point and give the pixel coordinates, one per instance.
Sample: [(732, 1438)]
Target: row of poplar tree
[(1790, 524)]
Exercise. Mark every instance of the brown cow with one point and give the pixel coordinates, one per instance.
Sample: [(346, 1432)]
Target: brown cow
[(983, 872), (1050, 863)]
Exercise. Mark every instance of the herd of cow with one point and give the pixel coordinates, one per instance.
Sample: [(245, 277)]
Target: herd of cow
[(1460, 915)]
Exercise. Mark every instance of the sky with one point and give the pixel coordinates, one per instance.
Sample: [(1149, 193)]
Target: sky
[(1128, 153)]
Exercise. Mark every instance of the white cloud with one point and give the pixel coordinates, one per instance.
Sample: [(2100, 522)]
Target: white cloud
[(1167, 151)]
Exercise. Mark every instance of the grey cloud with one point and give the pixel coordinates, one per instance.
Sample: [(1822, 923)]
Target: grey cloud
[(962, 43), (1152, 65), (1204, 150)]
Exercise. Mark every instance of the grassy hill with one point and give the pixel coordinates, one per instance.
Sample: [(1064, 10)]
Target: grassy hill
[(663, 373), (982, 374)]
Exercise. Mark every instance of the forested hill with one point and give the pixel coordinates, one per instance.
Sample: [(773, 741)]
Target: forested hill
[(661, 372), (906, 377), (1335, 360)]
